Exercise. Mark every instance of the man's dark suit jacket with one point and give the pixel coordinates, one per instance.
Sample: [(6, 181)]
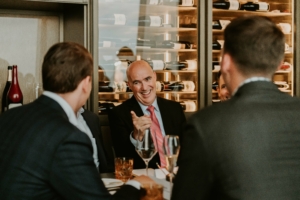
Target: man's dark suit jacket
[(121, 126), (43, 156), (245, 148), (93, 122)]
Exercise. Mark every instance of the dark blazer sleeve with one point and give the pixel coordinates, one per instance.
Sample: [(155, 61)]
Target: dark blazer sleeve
[(73, 172), (194, 178)]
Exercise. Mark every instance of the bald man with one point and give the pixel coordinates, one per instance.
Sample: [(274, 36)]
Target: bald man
[(133, 115)]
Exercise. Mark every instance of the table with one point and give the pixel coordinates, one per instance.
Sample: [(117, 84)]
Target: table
[(166, 184)]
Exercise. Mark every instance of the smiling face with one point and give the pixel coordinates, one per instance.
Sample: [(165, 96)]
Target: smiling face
[(142, 82), (222, 89)]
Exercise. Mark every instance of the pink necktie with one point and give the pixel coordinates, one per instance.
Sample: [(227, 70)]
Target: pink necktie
[(155, 128)]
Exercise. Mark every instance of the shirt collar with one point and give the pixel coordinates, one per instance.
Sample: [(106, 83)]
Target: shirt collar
[(65, 106), (249, 80), (144, 108)]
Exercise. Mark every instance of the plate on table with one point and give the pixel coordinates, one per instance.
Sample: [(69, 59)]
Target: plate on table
[(111, 182)]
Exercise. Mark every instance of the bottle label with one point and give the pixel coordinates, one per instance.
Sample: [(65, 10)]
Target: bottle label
[(234, 5), (13, 105), (187, 2), (107, 44), (155, 21), (262, 6), (192, 64), (120, 19), (158, 64), (221, 42), (224, 23), (159, 86), (153, 2), (177, 46)]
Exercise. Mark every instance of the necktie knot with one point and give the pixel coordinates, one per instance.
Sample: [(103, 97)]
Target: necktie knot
[(150, 109)]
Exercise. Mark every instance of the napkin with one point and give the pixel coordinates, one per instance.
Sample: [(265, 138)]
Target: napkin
[(138, 172)]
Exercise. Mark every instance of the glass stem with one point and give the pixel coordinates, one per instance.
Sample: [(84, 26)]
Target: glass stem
[(147, 162)]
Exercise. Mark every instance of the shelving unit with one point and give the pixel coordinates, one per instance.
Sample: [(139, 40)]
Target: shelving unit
[(281, 11), (179, 23)]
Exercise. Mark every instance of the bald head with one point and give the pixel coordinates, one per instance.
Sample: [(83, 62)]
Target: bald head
[(135, 66), (142, 81)]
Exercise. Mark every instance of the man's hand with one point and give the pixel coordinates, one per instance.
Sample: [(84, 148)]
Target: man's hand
[(140, 124)]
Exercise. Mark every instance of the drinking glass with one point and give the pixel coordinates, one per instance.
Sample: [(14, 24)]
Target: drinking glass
[(146, 146), (171, 148)]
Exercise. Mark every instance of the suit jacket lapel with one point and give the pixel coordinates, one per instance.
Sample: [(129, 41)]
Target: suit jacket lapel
[(134, 105), (164, 115)]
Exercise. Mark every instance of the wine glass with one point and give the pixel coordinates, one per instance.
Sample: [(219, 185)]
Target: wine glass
[(146, 146), (171, 148)]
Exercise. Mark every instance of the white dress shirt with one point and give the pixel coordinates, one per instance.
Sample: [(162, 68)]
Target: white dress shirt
[(77, 121)]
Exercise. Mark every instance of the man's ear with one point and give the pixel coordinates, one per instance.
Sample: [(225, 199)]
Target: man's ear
[(86, 83), (226, 63)]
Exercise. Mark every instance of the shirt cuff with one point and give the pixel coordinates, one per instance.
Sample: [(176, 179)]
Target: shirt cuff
[(134, 183), (132, 140)]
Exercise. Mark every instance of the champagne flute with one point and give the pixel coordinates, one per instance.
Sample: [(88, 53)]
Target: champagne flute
[(146, 146), (171, 148)]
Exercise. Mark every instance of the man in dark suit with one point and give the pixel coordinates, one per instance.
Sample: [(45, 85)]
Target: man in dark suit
[(248, 146), (43, 155), (93, 122), (132, 115)]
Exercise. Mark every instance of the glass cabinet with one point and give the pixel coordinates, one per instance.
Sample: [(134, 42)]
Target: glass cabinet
[(162, 32), (280, 11)]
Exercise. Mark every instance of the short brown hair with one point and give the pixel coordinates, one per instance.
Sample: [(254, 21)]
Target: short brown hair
[(255, 44), (64, 66)]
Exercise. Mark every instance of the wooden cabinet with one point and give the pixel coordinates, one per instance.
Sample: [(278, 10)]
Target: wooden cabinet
[(282, 13), (165, 35)]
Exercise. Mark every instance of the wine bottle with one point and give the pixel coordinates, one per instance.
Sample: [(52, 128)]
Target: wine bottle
[(173, 86), (145, 43), (110, 42), (220, 24), (228, 5), (14, 95), (170, 2), (218, 44), (188, 45), (105, 106), (255, 6), (113, 19), (105, 86), (150, 2), (176, 65), (186, 2), (155, 21), (176, 44), (156, 64), (6, 88)]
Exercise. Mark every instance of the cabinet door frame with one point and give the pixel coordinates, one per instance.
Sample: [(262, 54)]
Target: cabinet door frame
[(63, 1)]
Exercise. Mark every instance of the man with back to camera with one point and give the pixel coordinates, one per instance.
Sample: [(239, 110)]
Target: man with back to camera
[(255, 154), (133, 114), (43, 155)]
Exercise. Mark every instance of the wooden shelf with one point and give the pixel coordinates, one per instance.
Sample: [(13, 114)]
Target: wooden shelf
[(244, 12), (145, 49), (131, 29), (158, 71), (164, 92), (152, 8)]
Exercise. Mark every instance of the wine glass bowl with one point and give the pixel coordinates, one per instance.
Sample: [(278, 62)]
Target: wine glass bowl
[(146, 146), (171, 148)]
